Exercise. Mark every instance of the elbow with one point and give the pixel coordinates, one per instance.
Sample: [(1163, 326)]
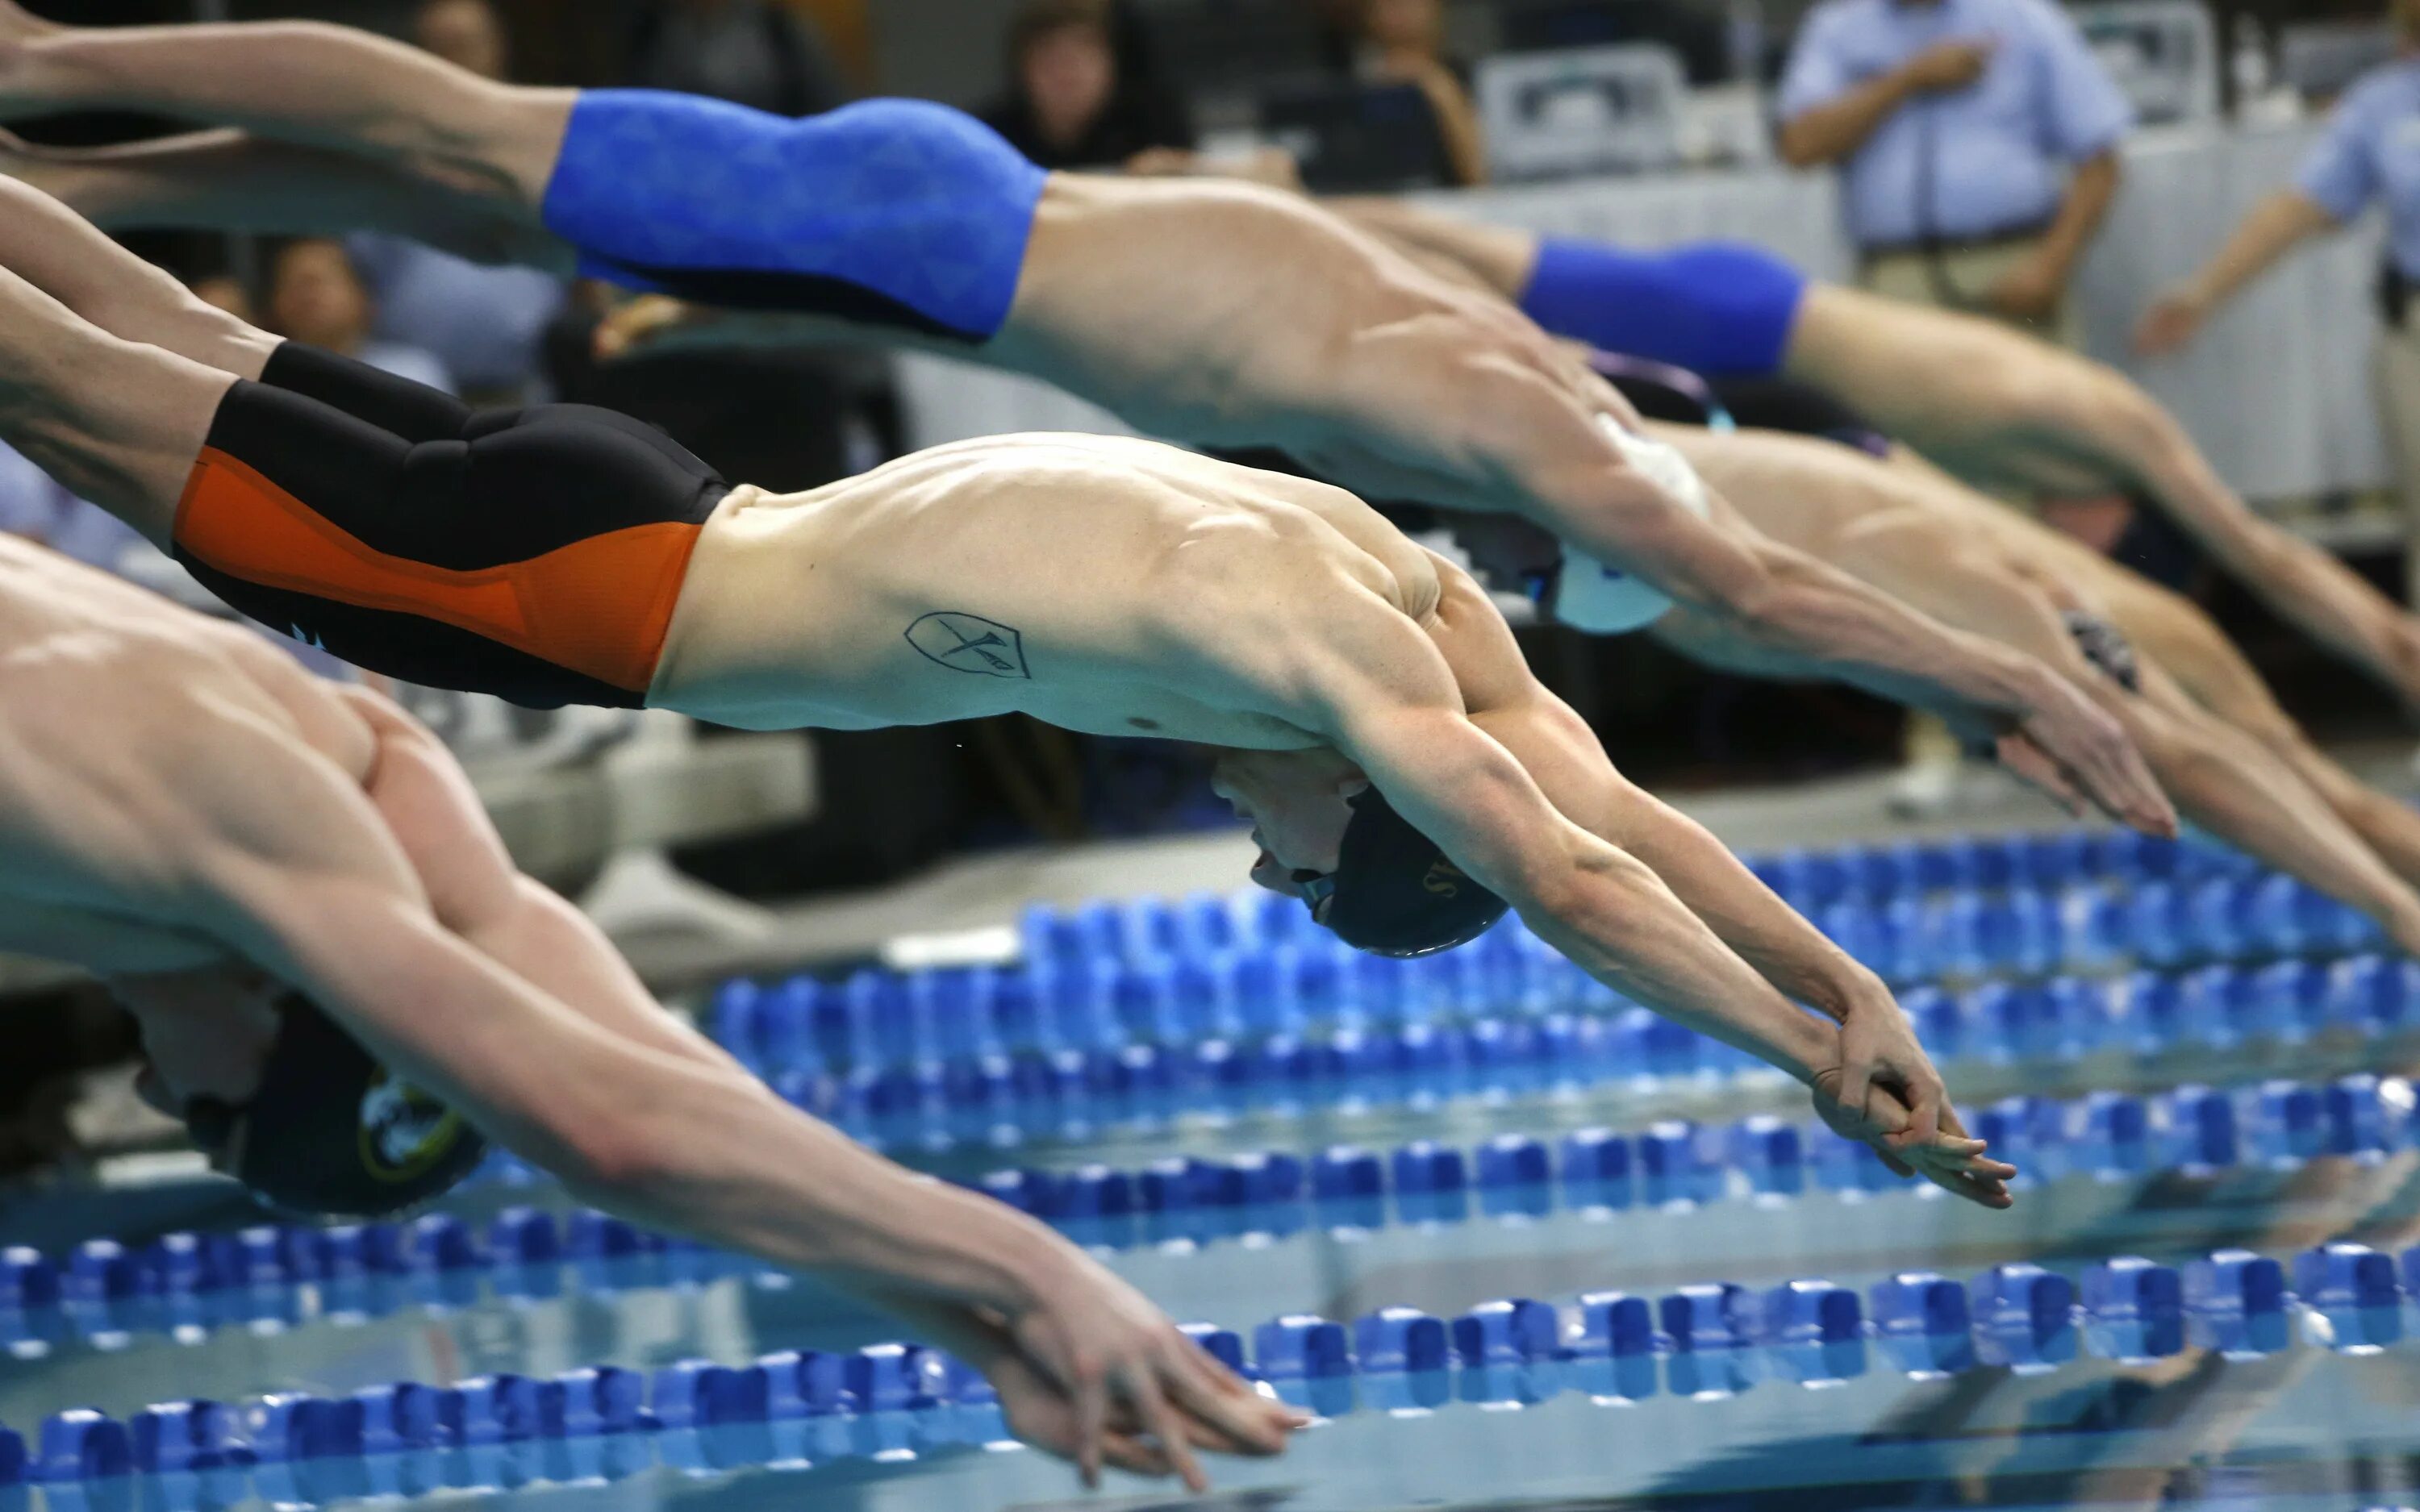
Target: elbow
[(608, 1163)]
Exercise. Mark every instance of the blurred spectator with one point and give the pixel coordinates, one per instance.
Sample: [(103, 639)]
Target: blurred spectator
[(225, 291), (748, 52), (466, 33), (1402, 42), (2364, 158), (35, 506), (1076, 98), (1958, 122), (317, 297), (484, 324)]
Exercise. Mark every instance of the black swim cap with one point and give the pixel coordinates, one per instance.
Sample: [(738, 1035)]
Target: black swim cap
[(331, 1131), (1393, 893)]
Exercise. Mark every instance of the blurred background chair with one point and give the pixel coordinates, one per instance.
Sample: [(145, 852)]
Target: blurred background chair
[(1589, 110)]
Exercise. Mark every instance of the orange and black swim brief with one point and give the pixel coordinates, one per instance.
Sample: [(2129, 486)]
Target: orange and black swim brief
[(536, 554)]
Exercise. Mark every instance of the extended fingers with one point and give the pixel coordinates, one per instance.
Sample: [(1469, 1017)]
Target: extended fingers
[(2038, 767), (1221, 1404), (1162, 1421), (1135, 1456), (1092, 1425), (1925, 1097), (1986, 1194)]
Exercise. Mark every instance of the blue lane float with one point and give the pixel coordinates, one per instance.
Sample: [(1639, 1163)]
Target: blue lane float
[(1710, 1340), (108, 1294), (1111, 976), (1507, 1046)]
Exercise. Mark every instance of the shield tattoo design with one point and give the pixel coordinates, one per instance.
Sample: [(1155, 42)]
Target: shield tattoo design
[(970, 643)]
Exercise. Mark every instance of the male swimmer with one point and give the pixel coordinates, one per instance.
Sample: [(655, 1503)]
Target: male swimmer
[(1221, 314), (335, 964), (1930, 541), (1407, 776), (1992, 404), (2187, 656)]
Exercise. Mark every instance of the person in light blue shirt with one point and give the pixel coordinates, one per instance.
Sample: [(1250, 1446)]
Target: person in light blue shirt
[(316, 297), (1961, 125), (483, 324), (2369, 155)]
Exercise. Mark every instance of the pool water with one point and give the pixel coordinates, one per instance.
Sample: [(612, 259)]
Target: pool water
[(1513, 1243)]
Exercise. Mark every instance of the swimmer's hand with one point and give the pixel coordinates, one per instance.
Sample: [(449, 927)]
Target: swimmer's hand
[(634, 323), (2174, 319), (1096, 1368), (1039, 1414), (1879, 1052), (2073, 750), (1949, 1160)]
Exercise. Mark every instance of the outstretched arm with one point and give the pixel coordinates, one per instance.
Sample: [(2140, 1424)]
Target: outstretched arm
[(1370, 681), (2223, 780), (300, 871), (302, 82), (1564, 758), (1800, 617), (231, 180), (2300, 580)]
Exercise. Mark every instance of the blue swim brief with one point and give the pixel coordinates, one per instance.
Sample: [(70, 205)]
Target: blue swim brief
[(1713, 307), (892, 212)]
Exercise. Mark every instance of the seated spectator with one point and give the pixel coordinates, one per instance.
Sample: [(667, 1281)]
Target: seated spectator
[(316, 297), (1077, 99), (466, 33), (485, 323), (225, 291), (748, 52), (1402, 42)]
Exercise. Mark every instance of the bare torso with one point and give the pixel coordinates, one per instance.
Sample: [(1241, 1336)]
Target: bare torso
[(1099, 583), (1301, 333), (112, 695)]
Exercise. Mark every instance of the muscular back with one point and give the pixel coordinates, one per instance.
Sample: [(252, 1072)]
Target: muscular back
[(127, 717), (1225, 314), (1100, 583)]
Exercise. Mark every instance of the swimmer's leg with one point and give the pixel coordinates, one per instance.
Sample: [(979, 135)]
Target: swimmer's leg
[(70, 259), (114, 421), (302, 82), (233, 181), (67, 257)]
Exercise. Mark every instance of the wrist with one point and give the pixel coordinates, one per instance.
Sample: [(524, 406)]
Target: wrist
[(1026, 1262), (1849, 989), (2001, 681), (1810, 1048)]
